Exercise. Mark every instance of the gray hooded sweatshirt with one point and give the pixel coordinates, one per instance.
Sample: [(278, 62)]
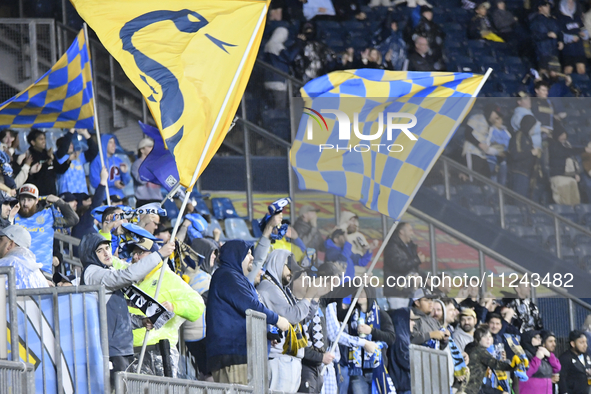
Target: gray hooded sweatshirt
[(275, 296)]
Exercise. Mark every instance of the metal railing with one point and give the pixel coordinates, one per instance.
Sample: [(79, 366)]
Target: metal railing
[(67, 371), (504, 194), (429, 373), (576, 308), (256, 328), (67, 244), (28, 50), (8, 281), (17, 377)]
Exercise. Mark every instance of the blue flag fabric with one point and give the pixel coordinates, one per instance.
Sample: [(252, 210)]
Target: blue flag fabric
[(159, 166), (356, 140), (79, 373)]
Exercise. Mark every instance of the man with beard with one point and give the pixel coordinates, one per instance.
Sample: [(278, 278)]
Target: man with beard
[(285, 369), (464, 334), (576, 366), (41, 219)]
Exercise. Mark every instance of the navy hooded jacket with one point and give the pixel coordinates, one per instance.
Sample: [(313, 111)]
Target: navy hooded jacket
[(230, 295), (400, 350)]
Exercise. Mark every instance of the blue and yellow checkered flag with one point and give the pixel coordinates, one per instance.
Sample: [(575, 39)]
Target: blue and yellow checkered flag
[(372, 135), (61, 98)]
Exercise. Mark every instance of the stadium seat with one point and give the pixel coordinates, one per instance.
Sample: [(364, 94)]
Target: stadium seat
[(540, 218), (213, 224), (485, 212), (201, 207), (527, 233), (440, 189), (580, 239), (353, 25), (513, 215), (584, 212), (548, 235), (223, 208), (565, 211), (236, 228), (256, 229)]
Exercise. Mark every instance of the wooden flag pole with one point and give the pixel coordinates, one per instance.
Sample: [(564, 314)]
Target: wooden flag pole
[(200, 164), (96, 122)]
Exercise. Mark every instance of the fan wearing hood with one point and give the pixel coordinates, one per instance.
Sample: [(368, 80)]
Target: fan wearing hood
[(98, 261), (118, 171), (285, 369), (15, 242), (404, 323), (230, 296), (573, 33), (542, 364)]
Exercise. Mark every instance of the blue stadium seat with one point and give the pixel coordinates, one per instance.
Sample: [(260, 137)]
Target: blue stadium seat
[(353, 25), (236, 228), (513, 215), (540, 218), (440, 189), (580, 77), (201, 207), (580, 239), (256, 229), (223, 208), (213, 224), (548, 235), (565, 211), (584, 212), (527, 233), (358, 43), (485, 212), (469, 189)]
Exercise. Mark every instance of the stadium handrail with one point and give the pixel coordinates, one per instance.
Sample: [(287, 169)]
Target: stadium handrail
[(484, 250), (504, 191)]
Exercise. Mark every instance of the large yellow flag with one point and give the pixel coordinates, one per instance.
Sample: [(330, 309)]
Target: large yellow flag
[(191, 59)]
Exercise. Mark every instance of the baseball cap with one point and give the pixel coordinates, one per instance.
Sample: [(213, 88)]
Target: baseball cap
[(82, 196), (5, 198), (18, 235), (145, 142), (423, 293), (145, 244), (68, 197), (468, 312), (28, 189), (307, 208)]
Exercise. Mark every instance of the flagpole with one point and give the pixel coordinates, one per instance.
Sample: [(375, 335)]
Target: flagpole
[(171, 193), (200, 163), (96, 122), (389, 235)]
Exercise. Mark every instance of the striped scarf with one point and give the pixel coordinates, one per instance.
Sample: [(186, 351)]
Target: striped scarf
[(358, 358)]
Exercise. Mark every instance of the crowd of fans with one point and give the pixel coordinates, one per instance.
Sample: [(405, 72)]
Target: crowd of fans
[(289, 274)]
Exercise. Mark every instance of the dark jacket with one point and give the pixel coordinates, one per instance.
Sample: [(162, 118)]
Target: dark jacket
[(45, 178), (521, 160), (230, 295), (282, 61), (503, 20), (417, 62), (433, 33), (570, 27), (573, 376), (86, 223), (400, 352), (499, 338), (119, 320), (540, 27), (480, 360), (558, 154), (310, 236), (205, 247), (384, 334), (527, 314), (399, 260), (478, 25)]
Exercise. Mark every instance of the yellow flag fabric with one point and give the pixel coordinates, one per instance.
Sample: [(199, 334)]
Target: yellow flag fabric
[(367, 160), (190, 59), (62, 97)]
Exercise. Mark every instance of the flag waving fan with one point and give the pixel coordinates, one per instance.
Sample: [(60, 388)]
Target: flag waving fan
[(191, 68)]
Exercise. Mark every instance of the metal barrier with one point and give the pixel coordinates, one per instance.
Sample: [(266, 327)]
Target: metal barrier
[(429, 372), (66, 246), (17, 377), (256, 328), (59, 366), (9, 272)]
